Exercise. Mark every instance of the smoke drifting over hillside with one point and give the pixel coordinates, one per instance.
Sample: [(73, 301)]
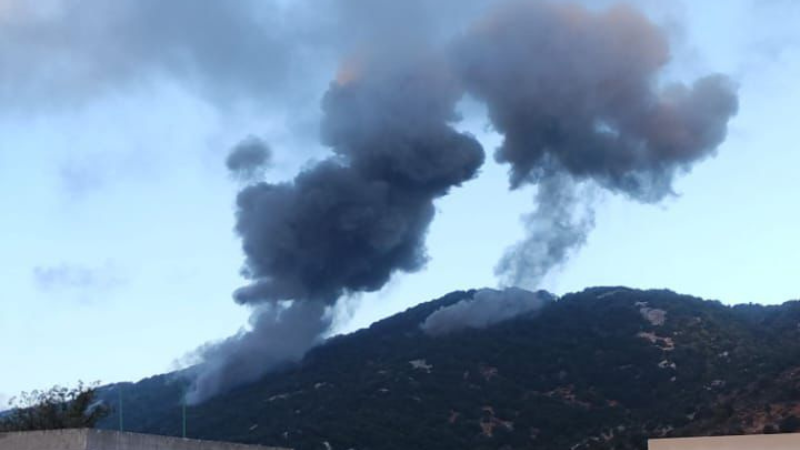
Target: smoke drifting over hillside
[(278, 335), (574, 92), (487, 307)]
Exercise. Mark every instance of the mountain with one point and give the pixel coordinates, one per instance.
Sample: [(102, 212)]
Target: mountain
[(603, 368)]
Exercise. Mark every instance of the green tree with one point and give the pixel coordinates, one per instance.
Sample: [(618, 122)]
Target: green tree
[(56, 408)]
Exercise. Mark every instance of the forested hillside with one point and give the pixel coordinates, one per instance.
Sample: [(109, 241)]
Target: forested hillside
[(605, 368)]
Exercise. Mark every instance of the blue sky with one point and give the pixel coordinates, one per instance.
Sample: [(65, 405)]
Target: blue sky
[(117, 255)]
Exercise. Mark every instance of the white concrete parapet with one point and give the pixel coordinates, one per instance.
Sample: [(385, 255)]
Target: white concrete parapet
[(88, 439), (749, 442)]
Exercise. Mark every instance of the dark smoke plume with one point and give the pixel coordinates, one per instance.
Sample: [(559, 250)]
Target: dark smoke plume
[(576, 95), (350, 222), (574, 92), (278, 335), (487, 307), (249, 159)]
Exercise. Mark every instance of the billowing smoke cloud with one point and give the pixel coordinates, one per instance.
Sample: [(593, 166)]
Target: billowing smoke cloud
[(278, 335), (487, 307), (576, 95), (348, 223), (249, 159)]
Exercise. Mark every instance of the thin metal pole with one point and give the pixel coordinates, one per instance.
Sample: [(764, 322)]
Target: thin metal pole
[(183, 407), (121, 422)]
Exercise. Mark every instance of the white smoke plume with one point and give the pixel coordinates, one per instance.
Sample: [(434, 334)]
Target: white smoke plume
[(487, 307)]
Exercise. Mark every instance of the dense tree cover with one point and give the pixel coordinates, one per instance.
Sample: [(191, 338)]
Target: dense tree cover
[(56, 408), (591, 371)]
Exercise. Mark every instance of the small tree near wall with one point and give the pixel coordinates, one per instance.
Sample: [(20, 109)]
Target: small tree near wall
[(53, 409)]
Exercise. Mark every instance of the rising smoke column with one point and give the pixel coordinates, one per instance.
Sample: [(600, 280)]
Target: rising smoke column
[(278, 334), (348, 223), (577, 96), (563, 218)]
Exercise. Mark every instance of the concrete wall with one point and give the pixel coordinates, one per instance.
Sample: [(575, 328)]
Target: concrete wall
[(44, 440), (109, 440), (753, 442)]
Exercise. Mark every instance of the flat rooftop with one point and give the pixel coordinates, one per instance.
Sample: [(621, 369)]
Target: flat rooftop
[(749, 442), (89, 439)]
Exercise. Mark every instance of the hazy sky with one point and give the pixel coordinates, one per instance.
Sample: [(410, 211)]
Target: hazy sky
[(117, 255)]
